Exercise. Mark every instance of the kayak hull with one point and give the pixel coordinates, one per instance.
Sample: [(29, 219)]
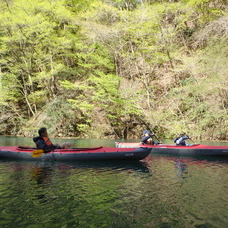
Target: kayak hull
[(77, 154), (191, 150)]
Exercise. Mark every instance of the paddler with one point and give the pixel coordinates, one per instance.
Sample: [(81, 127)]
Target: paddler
[(44, 143), (147, 137), (180, 140)]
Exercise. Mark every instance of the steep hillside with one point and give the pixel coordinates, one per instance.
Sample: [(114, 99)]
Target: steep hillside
[(103, 68)]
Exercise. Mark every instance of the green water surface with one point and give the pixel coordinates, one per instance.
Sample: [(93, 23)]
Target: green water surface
[(159, 192)]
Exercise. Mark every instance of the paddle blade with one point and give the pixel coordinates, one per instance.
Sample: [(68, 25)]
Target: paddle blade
[(37, 153)]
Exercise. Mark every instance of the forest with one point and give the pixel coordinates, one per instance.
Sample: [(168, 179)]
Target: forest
[(112, 68)]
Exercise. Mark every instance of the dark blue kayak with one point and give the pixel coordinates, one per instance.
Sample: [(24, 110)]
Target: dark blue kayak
[(76, 154)]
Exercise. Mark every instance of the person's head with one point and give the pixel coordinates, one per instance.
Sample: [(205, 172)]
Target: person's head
[(43, 132), (146, 132)]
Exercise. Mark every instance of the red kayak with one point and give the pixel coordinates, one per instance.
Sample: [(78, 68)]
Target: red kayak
[(76, 154), (191, 150)]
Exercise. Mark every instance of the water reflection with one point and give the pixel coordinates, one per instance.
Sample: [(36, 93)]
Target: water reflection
[(182, 169), (43, 173), (160, 191), (40, 174)]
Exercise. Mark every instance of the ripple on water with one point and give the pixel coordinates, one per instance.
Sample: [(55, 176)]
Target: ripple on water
[(170, 192)]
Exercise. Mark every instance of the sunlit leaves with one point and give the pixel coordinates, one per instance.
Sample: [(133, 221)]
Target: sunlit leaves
[(126, 60)]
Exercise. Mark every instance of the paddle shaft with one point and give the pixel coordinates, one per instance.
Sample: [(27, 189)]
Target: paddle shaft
[(191, 139), (157, 138)]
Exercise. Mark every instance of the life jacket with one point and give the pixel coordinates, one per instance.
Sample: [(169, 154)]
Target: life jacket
[(180, 141), (47, 141)]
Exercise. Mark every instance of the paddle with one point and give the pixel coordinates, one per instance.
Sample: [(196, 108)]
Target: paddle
[(157, 139), (37, 153), (189, 138), (159, 142)]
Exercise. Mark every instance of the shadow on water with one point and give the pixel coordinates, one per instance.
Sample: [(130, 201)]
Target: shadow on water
[(42, 169), (113, 165), (199, 158)]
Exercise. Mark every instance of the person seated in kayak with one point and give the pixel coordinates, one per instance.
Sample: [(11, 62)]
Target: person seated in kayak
[(180, 140), (44, 143), (147, 138)]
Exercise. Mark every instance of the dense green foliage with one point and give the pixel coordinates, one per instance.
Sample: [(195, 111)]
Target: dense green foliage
[(105, 68)]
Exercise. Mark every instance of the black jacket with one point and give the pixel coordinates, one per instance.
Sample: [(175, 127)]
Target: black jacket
[(145, 138), (40, 144)]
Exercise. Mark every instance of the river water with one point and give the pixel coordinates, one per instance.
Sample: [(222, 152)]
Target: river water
[(159, 192)]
